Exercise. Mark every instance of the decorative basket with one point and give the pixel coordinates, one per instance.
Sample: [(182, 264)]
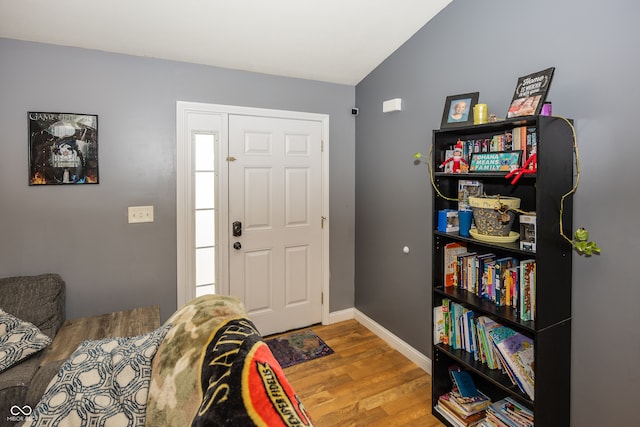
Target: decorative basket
[(493, 215)]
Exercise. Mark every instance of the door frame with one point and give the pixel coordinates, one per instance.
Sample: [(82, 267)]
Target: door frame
[(188, 113)]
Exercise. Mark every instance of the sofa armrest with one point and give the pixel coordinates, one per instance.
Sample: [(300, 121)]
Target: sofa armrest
[(36, 299)]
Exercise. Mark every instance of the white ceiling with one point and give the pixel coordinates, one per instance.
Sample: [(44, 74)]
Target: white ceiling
[(338, 41)]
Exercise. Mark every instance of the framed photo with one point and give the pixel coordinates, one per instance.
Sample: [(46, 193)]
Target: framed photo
[(458, 110), (530, 93), (496, 161), (63, 148)]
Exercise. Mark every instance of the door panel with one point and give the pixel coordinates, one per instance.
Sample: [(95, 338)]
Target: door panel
[(275, 190)]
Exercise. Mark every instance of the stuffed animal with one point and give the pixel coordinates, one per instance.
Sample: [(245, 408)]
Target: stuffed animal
[(457, 158)]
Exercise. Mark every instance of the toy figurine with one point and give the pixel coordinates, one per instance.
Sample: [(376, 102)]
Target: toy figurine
[(457, 158), (529, 167)]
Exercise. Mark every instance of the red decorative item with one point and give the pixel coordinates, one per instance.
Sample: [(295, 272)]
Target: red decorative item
[(456, 159), (528, 168)]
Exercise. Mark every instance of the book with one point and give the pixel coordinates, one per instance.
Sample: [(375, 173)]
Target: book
[(454, 410), (455, 420), (438, 325), (464, 383), (466, 188), (451, 251), (488, 290), (517, 352), (502, 270), (446, 314), (461, 269), (481, 273), (508, 412), (528, 286), (484, 325), (532, 146), (530, 93), (467, 411)]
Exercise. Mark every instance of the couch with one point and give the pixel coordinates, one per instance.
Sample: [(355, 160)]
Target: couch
[(207, 365), (39, 300)]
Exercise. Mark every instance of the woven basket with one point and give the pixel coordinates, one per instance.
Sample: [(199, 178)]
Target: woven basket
[(490, 220)]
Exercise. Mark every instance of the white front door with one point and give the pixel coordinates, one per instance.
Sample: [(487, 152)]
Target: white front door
[(275, 200)]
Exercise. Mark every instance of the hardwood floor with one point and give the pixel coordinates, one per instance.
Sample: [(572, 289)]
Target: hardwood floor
[(364, 383)]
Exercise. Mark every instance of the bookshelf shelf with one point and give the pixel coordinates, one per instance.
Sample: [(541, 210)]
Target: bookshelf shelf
[(550, 331)]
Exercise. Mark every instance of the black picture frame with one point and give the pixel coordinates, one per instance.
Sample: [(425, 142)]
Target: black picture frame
[(63, 148), (466, 115), (530, 94)]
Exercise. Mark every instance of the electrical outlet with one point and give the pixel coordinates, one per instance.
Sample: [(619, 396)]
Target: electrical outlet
[(139, 214)]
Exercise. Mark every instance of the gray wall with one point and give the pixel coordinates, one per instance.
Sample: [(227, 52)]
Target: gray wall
[(485, 46), (81, 232)]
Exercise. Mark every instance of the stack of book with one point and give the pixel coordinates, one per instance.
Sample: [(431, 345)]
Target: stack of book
[(464, 405), (508, 413), (463, 411)]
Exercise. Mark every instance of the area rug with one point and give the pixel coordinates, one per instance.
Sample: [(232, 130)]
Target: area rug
[(298, 347)]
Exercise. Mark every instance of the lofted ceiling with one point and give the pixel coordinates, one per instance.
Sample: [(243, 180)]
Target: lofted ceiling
[(337, 41)]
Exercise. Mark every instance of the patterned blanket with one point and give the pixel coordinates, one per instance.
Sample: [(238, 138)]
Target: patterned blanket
[(213, 368)]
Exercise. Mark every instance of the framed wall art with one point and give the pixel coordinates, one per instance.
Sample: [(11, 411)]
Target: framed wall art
[(63, 148), (457, 110)]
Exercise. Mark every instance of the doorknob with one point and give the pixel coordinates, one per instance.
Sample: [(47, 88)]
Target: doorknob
[(237, 246)]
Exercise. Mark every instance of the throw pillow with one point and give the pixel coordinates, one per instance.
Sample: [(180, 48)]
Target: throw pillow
[(103, 383), (18, 339)]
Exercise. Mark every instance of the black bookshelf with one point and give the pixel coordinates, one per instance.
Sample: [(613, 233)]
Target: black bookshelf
[(551, 330)]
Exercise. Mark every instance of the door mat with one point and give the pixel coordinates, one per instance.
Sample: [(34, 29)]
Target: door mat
[(298, 347)]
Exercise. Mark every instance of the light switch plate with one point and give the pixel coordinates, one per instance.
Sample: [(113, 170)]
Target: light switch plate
[(139, 214)]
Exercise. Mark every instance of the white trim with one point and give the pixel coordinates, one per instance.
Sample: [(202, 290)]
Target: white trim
[(340, 316), (184, 192), (184, 199), (396, 343)]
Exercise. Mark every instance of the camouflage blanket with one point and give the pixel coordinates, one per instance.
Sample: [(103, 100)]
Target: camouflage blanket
[(213, 368)]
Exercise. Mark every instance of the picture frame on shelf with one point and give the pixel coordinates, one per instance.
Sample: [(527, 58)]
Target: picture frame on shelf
[(530, 94), (63, 148), (458, 110)]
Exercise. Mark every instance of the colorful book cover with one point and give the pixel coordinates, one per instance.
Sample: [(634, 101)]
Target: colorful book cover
[(451, 251), (471, 273), (446, 314), (485, 324), (465, 384), (517, 350), (502, 267), (488, 280), (481, 273), (438, 325), (532, 146), (527, 283), (461, 269)]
